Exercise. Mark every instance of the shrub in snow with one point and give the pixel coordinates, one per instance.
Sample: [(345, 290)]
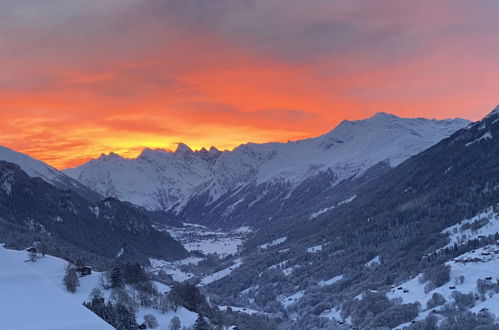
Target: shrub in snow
[(438, 275), (96, 293), (464, 320), (71, 279), (463, 301), (396, 315), (201, 324), (429, 286), (485, 285), (436, 300), (187, 295), (175, 324), (150, 321)]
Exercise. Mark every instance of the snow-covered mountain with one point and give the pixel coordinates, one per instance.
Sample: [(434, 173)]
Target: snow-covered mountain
[(165, 180), (36, 168), (156, 179)]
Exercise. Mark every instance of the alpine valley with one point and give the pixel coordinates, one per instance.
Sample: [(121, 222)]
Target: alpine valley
[(381, 223)]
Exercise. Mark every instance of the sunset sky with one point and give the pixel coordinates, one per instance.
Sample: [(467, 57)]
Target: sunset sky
[(83, 77)]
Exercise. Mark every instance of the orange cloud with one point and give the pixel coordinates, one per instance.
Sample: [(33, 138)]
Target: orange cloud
[(84, 79)]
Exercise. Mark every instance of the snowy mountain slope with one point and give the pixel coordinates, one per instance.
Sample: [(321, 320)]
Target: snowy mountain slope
[(50, 270), (31, 302), (164, 180), (36, 168)]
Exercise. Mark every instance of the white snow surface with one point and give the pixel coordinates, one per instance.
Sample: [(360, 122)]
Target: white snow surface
[(171, 268), (196, 237), (48, 274), (484, 266), (244, 310), (290, 300), (220, 274), (331, 281), (30, 301), (275, 242), (327, 209), (485, 137), (374, 262), (159, 179), (314, 249)]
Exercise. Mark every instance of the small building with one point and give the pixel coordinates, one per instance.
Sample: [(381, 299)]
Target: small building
[(84, 270), (31, 249)]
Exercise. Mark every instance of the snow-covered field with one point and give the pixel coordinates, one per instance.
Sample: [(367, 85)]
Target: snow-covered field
[(171, 268), (220, 274), (241, 310), (331, 281), (483, 267), (292, 299), (465, 270), (196, 237), (315, 249), (275, 242), (327, 209), (33, 297)]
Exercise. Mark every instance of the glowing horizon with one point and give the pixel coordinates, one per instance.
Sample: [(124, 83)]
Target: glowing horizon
[(84, 78)]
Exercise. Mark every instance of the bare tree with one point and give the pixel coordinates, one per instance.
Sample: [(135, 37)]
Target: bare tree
[(71, 279), (175, 324), (150, 321)]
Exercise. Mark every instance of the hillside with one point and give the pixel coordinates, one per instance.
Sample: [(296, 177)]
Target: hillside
[(395, 229), (31, 302), (71, 226)]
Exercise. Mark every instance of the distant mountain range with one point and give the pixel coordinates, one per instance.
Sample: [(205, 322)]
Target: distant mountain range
[(212, 186)]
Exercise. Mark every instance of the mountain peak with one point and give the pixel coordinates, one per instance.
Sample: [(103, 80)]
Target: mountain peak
[(378, 118), (111, 155), (214, 149), (182, 147), (148, 153), (384, 116)]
